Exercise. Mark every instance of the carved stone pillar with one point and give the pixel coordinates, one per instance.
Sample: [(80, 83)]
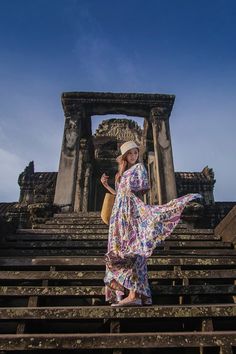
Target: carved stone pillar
[(83, 175), (86, 193), (166, 186), (66, 178)]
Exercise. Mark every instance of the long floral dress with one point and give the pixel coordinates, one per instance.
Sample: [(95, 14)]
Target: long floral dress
[(135, 230)]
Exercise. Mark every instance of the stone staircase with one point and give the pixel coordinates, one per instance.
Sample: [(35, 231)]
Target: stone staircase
[(52, 295)]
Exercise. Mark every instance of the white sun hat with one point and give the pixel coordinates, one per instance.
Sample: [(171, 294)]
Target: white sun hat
[(128, 145)]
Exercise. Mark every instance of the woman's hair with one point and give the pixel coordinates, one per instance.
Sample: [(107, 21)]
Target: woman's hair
[(120, 172)]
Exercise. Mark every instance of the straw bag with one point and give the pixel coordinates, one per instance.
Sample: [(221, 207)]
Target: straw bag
[(107, 207)]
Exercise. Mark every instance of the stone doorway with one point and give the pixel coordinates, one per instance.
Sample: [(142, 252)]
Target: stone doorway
[(77, 172)]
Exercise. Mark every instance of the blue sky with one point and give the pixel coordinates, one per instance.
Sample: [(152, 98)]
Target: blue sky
[(181, 47)]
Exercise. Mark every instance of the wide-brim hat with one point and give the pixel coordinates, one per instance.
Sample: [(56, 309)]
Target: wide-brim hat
[(128, 145)]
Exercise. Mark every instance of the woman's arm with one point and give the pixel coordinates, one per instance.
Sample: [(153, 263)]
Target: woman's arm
[(104, 179), (111, 190)]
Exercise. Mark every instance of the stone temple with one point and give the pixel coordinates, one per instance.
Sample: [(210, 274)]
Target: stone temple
[(53, 243)]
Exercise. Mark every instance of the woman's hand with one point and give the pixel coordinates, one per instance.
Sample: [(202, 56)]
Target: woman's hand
[(104, 180)]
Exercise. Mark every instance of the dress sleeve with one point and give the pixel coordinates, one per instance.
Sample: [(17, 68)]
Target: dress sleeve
[(116, 183), (116, 186), (139, 179)]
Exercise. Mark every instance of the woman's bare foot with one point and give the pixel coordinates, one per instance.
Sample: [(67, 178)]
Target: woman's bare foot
[(132, 297), (129, 302)]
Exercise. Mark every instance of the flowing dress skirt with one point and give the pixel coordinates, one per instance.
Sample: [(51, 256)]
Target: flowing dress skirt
[(135, 230)]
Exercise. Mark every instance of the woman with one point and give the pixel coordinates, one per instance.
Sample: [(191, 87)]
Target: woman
[(135, 230)]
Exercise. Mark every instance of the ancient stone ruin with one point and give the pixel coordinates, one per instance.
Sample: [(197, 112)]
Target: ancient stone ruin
[(53, 242)]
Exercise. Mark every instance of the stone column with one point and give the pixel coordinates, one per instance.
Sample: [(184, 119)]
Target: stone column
[(166, 185), (86, 193), (80, 204), (66, 178)]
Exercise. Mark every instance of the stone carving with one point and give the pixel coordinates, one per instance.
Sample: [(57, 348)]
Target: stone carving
[(159, 119), (159, 113), (111, 133), (28, 171), (73, 110), (83, 175), (70, 136), (44, 187), (36, 187), (162, 136), (72, 99), (209, 173), (87, 176), (121, 129), (26, 184)]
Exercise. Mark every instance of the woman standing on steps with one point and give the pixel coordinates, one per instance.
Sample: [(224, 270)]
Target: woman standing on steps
[(135, 230)]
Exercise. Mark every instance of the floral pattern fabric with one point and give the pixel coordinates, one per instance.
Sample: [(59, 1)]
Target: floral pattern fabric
[(135, 230)]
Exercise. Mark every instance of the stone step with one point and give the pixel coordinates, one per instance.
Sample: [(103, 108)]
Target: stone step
[(109, 312), (64, 231), (98, 291), (89, 214), (91, 222), (77, 237), (91, 228), (119, 340), (72, 226), (105, 231), (145, 340), (73, 252), (102, 245), (96, 229), (99, 275), (91, 261), (74, 221), (75, 341)]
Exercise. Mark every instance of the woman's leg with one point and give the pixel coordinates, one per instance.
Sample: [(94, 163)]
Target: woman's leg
[(139, 283), (132, 278)]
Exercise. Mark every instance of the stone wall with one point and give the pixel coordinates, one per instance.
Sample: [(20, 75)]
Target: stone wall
[(227, 227)]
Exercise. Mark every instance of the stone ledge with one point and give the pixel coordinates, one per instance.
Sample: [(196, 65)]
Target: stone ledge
[(102, 244), (58, 230), (118, 340), (99, 275), (54, 237), (99, 261), (68, 252), (98, 291), (96, 312)]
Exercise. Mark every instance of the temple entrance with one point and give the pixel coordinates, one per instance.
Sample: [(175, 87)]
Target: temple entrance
[(85, 157)]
